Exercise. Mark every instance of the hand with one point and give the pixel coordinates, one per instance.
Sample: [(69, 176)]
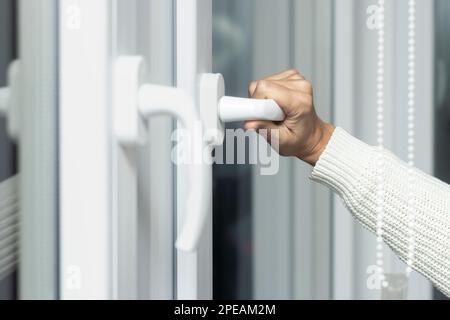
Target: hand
[(302, 134)]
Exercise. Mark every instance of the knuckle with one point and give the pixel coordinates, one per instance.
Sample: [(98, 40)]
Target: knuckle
[(307, 85), (298, 84), (262, 85)]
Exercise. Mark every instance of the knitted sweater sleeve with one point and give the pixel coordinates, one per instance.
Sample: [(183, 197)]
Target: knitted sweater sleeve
[(349, 167)]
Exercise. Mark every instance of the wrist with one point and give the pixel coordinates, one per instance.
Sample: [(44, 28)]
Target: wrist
[(323, 136)]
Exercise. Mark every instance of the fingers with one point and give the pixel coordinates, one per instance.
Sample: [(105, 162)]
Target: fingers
[(286, 98), (284, 75), (291, 74), (300, 85), (297, 85), (297, 76)]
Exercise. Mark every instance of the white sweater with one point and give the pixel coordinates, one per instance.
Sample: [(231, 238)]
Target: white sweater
[(349, 167)]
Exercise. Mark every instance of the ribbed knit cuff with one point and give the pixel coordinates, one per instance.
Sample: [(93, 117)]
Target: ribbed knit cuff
[(344, 164)]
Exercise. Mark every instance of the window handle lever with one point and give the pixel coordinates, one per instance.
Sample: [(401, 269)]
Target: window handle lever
[(232, 109)]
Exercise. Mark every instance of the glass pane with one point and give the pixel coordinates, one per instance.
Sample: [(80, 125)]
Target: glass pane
[(232, 30), (255, 246), (270, 242)]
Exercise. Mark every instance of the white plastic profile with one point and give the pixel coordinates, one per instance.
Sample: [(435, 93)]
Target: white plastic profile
[(135, 102)]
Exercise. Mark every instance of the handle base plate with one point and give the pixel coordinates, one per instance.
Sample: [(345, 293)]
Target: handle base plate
[(129, 127), (212, 89)]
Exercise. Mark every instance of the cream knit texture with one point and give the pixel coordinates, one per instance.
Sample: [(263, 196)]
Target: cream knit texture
[(349, 167)]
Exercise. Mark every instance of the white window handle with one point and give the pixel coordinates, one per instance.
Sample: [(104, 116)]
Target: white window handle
[(233, 109), (134, 103), (217, 109)]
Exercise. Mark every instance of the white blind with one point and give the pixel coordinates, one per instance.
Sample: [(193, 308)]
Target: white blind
[(9, 226)]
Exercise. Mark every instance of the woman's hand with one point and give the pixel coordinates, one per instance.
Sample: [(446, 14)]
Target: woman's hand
[(302, 134)]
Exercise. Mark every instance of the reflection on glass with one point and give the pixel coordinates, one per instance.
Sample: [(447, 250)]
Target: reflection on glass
[(232, 55)]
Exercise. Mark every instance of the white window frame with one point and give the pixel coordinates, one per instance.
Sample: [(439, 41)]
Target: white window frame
[(85, 149)]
